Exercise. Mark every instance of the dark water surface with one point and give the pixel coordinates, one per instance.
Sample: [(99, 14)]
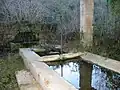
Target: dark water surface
[(86, 76)]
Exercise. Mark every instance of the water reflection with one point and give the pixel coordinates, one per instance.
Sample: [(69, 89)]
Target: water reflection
[(86, 76)]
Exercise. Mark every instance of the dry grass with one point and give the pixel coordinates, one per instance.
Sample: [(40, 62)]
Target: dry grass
[(8, 66)]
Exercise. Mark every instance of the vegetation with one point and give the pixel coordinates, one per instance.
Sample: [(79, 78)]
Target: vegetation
[(19, 16), (106, 30), (115, 6), (40, 16), (27, 15), (8, 66)]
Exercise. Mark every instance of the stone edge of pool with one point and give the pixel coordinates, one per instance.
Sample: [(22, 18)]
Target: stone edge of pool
[(48, 79)]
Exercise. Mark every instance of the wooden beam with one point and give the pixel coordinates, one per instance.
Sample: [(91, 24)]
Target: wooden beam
[(66, 56)]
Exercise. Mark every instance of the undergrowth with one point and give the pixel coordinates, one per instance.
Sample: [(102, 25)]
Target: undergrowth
[(8, 66)]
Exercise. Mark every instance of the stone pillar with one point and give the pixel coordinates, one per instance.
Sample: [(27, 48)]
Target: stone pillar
[(85, 76), (86, 21)]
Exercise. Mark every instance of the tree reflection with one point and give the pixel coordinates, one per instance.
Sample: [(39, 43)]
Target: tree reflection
[(61, 70), (105, 79), (85, 76), (85, 71)]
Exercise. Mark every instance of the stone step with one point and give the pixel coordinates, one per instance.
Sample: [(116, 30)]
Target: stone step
[(26, 81)]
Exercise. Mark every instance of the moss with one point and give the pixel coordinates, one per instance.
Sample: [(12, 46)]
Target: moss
[(8, 66)]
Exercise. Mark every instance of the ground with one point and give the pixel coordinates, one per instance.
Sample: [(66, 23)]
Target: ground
[(8, 66)]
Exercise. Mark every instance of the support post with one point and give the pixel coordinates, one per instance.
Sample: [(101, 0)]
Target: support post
[(85, 76), (86, 21)]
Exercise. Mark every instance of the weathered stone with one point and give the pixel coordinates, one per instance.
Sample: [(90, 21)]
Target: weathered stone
[(102, 61), (47, 78), (86, 21), (26, 81)]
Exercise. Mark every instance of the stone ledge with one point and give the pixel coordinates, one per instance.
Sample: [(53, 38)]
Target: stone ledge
[(104, 62), (47, 78)]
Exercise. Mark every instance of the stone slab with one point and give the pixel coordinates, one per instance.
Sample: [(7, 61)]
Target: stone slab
[(26, 81), (105, 62), (47, 78)]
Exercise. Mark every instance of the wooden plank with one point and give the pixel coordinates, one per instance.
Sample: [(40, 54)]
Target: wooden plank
[(26, 81), (38, 49), (31, 54), (66, 56), (50, 58), (71, 55), (46, 77), (61, 56)]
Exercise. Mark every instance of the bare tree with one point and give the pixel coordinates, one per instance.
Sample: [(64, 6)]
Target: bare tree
[(19, 10), (64, 12), (36, 10)]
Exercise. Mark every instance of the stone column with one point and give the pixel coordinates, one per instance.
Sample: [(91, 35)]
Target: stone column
[(85, 76), (86, 21)]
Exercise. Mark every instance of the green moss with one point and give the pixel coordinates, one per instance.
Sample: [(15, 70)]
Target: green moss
[(8, 66)]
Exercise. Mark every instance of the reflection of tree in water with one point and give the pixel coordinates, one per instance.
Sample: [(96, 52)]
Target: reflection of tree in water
[(98, 78), (73, 66), (102, 79), (113, 79), (106, 79), (55, 67)]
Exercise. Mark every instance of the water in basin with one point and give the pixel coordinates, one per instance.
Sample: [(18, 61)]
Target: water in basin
[(86, 76)]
